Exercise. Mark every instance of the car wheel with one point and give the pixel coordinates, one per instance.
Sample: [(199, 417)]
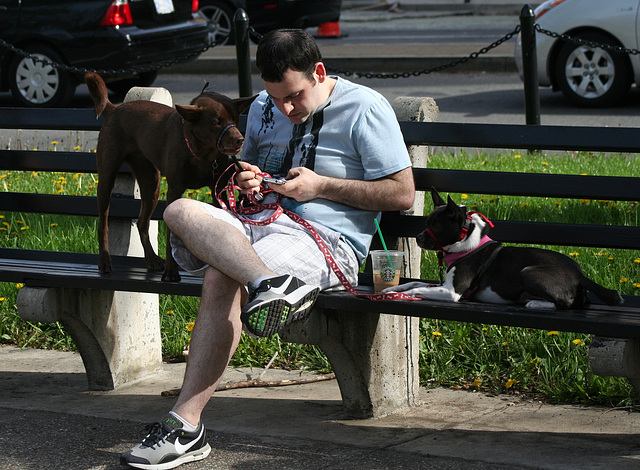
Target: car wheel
[(36, 84), (592, 77), (122, 87), (220, 19)]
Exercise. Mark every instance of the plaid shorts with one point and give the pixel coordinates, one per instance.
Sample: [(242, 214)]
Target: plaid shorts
[(285, 246)]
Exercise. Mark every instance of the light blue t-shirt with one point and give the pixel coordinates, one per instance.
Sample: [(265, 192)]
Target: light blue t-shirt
[(354, 135)]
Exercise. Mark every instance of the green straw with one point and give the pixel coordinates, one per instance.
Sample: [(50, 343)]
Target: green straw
[(384, 245)]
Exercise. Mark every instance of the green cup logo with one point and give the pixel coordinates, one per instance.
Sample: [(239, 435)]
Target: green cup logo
[(387, 273)]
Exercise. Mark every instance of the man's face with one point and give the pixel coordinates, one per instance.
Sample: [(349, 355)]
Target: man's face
[(296, 96)]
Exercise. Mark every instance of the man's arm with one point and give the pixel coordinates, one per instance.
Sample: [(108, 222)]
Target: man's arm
[(391, 193)]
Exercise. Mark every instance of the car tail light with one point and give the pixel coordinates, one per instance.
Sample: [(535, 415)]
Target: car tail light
[(545, 7), (118, 14), (194, 6)]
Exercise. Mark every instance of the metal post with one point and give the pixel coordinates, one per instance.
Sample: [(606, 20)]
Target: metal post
[(243, 55), (529, 65)]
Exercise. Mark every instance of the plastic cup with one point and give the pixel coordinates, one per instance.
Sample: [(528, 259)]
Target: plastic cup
[(387, 266)]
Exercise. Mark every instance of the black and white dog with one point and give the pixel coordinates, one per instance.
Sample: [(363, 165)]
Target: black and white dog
[(481, 269)]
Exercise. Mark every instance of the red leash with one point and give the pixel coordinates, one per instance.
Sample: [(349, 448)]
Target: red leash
[(239, 209)]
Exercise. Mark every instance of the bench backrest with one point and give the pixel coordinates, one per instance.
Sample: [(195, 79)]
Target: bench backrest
[(394, 224)]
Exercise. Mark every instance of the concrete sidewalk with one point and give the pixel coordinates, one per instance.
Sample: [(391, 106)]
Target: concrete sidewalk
[(50, 421)]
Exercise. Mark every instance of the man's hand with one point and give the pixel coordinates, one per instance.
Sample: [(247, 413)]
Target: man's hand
[(393, 192), (248, 180)]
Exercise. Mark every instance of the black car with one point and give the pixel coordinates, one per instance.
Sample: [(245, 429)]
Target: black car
[(266, 15), (125, 40)]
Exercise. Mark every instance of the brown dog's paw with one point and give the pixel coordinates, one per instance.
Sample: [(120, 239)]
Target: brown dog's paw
[(104, 264), (171, 275), (154, 263)]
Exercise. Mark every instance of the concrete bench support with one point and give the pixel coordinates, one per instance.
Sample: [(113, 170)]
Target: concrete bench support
[(117, 333), (374, 355), (617, 357)]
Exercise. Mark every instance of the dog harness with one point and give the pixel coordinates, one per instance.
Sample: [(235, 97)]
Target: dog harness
[(240, 209), (451, 258)]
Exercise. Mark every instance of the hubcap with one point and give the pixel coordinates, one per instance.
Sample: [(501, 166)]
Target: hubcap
[(36, 81), (219, 24), (590, 72)]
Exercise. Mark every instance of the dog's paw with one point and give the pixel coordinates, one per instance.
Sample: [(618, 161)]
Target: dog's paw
[(171, 275), (155, 263), (404, 287), (540, 304)]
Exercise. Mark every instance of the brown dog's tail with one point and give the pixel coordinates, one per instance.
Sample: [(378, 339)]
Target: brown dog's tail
[(99, 94)]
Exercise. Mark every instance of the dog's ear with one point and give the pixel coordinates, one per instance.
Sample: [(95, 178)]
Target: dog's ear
[(190, 113), (242, 104), (435, 197)]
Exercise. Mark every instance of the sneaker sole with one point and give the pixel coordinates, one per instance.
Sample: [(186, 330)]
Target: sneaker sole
[(271, 317), (193, 456)]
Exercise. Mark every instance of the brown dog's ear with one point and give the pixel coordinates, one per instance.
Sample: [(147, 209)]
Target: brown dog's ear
[(242, 104), (435, 197), (190, 113)]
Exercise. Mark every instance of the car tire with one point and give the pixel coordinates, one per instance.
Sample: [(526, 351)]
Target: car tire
[(592, 77), (122, 87), (35, 84), (220, 16)]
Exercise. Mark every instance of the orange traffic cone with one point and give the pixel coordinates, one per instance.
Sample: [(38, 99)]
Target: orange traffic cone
[(330, 31)]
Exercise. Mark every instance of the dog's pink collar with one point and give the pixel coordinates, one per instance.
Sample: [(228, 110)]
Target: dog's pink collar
[(451, 258)]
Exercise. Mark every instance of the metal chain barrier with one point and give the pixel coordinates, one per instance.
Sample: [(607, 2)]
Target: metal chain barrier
[(111, 72), (438, 68), (584, 42)]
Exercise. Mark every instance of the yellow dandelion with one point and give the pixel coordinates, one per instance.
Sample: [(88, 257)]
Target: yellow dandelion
[(2, 299), (575, 253), (54, 142), (436, 333), (477, 382), (190, 326), (76, 148), (552, 333), (20, 285), (511, 382), (623, 280), (636, 285), (464, 196), (506, 343), (535, 360), (26, 227), (577, 341), (54, 224), (170, 312), (585, 201), (637, 260), (517, 156), (545, 163)]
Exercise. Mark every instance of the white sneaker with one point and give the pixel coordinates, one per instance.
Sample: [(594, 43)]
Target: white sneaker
[(276, 302)]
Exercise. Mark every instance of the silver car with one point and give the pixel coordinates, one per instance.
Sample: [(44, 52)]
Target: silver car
[(588, 76)]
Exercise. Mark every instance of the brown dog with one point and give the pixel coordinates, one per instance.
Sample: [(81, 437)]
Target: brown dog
[(190, 145)]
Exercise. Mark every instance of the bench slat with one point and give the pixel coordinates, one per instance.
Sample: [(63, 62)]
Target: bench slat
[(618, 188), (83, 119), (73, 205), (515, 136), (31, 160), (545, 233), (55, 269)]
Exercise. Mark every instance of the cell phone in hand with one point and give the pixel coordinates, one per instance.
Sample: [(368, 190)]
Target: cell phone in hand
[(268, 179)]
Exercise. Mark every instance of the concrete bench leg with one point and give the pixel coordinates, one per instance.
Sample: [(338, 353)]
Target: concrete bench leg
[(117, 333), (374, 357), (618, 357)]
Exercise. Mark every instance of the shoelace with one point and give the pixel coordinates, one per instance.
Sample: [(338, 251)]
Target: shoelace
[(156, 433)]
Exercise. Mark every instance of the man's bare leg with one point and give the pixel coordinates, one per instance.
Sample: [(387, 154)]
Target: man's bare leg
[(214, 339), (215, 242)]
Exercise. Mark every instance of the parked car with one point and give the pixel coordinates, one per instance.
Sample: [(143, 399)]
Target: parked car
[(266, 15), (135, 37), (587, 76)]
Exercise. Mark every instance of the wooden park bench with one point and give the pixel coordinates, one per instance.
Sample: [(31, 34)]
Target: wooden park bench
[(372, 346)]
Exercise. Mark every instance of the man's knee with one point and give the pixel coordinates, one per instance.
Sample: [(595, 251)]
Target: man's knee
[(175, 213)]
